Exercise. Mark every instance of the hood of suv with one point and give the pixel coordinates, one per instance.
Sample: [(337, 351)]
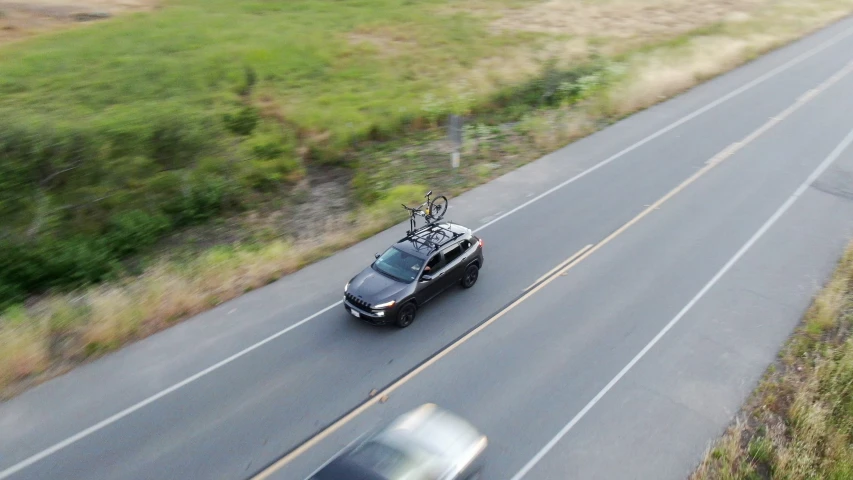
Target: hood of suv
[(373, 287)]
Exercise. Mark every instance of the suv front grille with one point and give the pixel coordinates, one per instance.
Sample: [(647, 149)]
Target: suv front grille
[(358, 302)]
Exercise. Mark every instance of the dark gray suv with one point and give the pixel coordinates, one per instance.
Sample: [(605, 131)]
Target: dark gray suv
[(414, 271)]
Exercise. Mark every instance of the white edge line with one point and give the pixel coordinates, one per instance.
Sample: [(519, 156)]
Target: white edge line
[(683, 120), (118, 416), (737, 256), (107, 421)]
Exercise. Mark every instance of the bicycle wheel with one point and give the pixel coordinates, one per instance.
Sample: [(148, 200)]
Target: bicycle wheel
[(437, 208)]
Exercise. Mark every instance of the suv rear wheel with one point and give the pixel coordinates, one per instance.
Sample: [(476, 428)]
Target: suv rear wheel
[(472, 273), (406, 315)]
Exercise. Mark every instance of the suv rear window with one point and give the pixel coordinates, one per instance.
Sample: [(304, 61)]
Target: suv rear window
[(453, 253)]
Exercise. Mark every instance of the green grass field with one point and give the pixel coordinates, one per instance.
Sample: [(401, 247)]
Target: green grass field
[(341, 67), (152, 121), (115, 134)]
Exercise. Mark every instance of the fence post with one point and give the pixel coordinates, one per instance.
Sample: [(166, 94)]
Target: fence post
[(455, 133)]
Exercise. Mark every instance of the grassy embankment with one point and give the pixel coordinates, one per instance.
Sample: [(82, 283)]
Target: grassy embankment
[(798, 423), (152, 123)]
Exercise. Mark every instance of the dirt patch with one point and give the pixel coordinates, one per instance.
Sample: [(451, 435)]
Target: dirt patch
[(318, 206), (387, 40), (20, 20), (324, 206)]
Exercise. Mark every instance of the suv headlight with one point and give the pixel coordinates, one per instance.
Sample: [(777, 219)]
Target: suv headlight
[(346, 287), (385, 305)]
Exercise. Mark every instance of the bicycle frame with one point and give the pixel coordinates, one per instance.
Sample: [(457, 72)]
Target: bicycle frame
[(427, 214)]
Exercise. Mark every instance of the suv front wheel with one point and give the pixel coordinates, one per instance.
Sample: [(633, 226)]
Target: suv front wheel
[(406, 315)]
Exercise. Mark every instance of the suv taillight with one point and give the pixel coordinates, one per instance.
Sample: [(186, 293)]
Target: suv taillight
[(480, 241)]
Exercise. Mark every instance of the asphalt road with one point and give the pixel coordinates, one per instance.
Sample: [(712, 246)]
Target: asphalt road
[(624, 367)]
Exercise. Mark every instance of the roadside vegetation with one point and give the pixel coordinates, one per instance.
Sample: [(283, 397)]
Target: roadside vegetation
[(798, 424), (166, 160)]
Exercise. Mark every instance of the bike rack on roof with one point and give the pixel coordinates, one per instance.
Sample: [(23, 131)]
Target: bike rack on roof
[(419, 238)]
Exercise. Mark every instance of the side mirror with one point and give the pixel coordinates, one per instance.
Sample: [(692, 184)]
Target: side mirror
[(376, 256), (426, 277)]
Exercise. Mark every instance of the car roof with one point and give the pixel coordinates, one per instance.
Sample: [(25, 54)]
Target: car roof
[(343, 468), (434, 430), (427, 241)]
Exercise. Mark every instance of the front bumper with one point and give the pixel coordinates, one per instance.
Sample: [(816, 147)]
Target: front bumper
[(370, 316)]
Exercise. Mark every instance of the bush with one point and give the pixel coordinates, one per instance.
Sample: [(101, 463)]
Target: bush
[(204, 196), (175, 143), (10, 295), (74, 262), (270, 142), (552, 87), (364, 188), (243, 122), (103, 190), (35, 267), (268, 175), (128, 232)]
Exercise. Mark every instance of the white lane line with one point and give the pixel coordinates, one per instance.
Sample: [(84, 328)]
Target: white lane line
[(678, 123), (542, 282), (118, 416), (737, 256)]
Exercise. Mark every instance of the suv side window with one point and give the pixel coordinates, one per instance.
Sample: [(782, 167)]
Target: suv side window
[(434, 264), (466, 244), (453, 253)]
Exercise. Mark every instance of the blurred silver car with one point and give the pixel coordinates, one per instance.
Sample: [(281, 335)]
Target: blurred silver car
[(427, 443)]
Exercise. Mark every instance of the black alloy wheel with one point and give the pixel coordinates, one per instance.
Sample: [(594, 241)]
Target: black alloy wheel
[(406, 315), (472, 273)]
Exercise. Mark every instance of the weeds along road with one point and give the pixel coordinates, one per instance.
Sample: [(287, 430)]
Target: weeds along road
[(713, 218)]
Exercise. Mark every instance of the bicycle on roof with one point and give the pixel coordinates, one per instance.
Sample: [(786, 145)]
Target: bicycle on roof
[(431, 210)]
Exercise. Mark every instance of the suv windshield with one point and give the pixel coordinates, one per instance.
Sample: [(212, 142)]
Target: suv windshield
[(399, 265)]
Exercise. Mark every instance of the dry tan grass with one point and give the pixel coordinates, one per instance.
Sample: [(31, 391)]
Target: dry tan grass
[(106, 317), (799, 419), (23, 352), (663, 73), (657, 77), (622, 19), (553, 129), (521, 63), (575, 28), (728, 449), (115, 318)]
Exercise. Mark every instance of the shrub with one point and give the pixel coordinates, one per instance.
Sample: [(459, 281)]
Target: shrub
[(73, 262), (552, 87), (204, 196), (243, 122), (364, 188), (32, 267), (129, 231), (175, 143), (269, 174)]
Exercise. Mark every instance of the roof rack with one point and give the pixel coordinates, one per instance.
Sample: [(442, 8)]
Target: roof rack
[(431, 236)]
